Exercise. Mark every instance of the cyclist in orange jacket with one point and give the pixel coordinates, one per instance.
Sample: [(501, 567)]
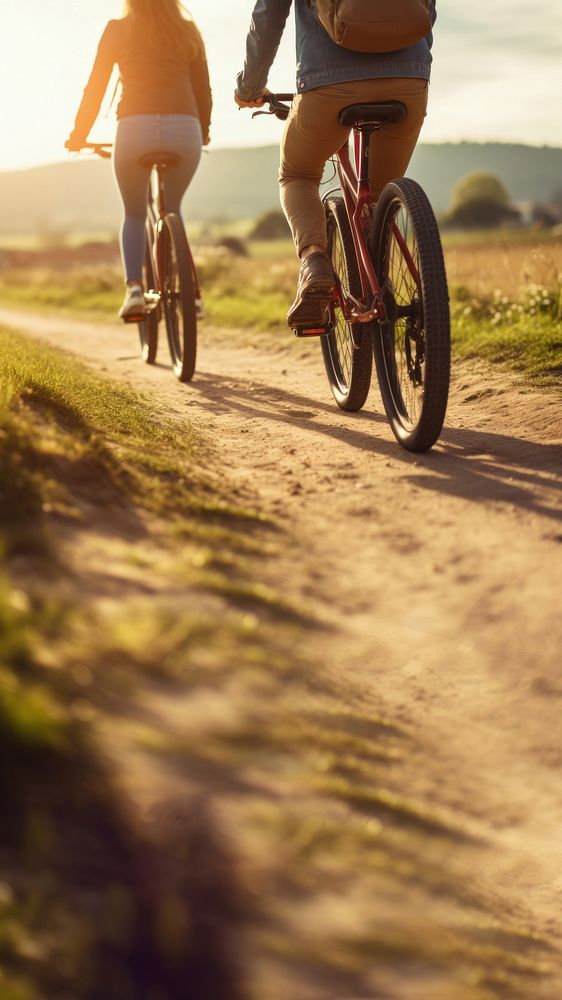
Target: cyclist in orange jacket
[(165, 106)]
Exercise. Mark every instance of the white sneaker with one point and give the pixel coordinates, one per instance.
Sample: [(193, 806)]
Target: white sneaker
[(133, 309), (200, 309)]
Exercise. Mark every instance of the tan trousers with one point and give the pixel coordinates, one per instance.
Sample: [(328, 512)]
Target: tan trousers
[(313, 134)]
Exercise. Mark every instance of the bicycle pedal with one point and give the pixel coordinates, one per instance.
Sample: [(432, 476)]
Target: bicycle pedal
[(313, 331), (135, 319)]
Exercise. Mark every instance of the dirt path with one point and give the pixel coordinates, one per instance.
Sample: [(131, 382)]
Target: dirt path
[(441, 574)]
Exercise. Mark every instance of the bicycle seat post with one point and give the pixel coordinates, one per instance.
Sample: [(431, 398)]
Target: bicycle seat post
[(159, 170), (362, 148), (159, 162)]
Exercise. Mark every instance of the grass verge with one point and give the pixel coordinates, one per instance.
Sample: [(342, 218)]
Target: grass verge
[(144, 661), (525, 333)]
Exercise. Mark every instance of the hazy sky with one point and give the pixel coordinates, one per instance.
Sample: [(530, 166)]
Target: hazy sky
[(497, 72)]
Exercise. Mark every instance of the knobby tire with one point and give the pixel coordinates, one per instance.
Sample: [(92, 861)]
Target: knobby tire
[(412, 347), (178, 296)]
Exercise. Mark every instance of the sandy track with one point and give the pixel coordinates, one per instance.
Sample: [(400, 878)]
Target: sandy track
[(441, 574)]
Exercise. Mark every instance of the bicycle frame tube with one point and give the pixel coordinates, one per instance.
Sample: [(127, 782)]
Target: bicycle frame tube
[(406, 254), (357, 197), (354, 182)]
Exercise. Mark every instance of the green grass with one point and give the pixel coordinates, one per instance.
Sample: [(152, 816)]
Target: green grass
[(97, 290), (497, 237), (525, 334), (522, 331)]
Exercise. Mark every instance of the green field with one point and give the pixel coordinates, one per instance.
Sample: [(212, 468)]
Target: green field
[(505, 291)]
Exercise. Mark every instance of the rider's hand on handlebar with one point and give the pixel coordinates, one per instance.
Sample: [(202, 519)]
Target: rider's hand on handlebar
[(257, 103), (75, 142)]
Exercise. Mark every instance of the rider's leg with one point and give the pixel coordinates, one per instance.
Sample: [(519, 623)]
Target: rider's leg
[(312, 134), (138, 135), (134, 136), (180, 134), (310, 138)]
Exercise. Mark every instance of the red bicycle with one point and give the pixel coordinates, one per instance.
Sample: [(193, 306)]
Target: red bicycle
[(169, 274), (390, 296)]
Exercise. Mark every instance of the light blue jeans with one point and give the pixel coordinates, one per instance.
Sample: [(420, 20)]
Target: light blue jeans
[(136, 136)]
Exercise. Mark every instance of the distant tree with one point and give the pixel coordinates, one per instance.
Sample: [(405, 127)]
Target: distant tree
[(270, 226), (480, 200)]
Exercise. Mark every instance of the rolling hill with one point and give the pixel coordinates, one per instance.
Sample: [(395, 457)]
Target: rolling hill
[(242, 183)]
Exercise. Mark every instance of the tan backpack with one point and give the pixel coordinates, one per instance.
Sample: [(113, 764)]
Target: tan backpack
[(374, 25)]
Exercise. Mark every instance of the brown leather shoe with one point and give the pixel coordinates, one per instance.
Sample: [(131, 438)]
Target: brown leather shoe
[(316, 281)]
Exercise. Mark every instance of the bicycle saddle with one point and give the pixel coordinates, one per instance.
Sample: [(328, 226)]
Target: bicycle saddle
[(165, 160), (375, 115)]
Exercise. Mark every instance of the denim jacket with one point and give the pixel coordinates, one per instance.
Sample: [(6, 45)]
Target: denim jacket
[(320, 61)]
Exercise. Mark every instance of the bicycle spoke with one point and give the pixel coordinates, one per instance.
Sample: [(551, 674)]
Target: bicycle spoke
[(341, 332), (408, 335)]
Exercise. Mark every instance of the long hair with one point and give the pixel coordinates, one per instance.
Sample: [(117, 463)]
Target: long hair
[(164, 24)]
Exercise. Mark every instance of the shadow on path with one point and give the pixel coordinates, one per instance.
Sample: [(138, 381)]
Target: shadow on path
[(477, 465)]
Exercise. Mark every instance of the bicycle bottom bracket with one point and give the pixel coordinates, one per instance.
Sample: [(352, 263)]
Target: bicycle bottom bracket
[(313, 331)]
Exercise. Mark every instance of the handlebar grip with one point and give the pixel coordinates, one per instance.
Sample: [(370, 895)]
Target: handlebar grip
[(102, 149)]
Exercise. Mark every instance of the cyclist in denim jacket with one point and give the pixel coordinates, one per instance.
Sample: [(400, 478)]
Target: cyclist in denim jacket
[(329, 78)]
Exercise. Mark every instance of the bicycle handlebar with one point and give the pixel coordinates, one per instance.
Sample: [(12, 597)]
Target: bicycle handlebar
[(102, 149), (277, 106)]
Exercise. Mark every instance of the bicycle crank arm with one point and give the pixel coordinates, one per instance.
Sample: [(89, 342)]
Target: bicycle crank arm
[(377, 312), (354, 310)]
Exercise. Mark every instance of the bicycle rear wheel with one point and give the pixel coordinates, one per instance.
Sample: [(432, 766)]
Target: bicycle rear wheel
[(178, 296), (412, 346), (347, 348), (148, 329)]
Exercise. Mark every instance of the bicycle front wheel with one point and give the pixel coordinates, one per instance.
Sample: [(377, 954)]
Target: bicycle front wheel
[(346, 349), (148, 329), (412, 346), (178, 296)]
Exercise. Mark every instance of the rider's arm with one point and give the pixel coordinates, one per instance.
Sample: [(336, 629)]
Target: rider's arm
[(202, 90), (433, 16), (96, 86), (267, 26)]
